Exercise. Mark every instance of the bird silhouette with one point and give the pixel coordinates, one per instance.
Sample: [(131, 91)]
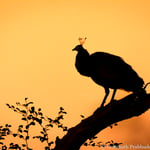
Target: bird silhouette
[(107, 70)]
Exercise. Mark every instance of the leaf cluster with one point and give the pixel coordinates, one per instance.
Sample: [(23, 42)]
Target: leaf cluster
[(4, 131), (110, 144), (31, 117)]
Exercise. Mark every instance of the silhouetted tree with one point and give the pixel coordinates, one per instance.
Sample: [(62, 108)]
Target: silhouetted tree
[(130, 106)]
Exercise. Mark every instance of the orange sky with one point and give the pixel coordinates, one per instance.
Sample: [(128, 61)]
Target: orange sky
[(36, 61)]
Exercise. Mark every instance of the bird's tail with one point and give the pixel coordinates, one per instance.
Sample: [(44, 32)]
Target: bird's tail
[(137, 84), (146, 85)]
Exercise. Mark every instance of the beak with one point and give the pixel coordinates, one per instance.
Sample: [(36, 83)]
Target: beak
[(73, 49)]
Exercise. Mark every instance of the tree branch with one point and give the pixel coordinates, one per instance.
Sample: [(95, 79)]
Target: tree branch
[(116, 111)]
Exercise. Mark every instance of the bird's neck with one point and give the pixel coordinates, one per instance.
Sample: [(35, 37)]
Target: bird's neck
[(83, 53), (82, 61)]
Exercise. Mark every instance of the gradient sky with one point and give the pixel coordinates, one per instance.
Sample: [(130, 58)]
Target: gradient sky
[(36, 60)]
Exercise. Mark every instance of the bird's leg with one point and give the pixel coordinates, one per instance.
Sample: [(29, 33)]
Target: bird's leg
[(114, 92), (106, 94)]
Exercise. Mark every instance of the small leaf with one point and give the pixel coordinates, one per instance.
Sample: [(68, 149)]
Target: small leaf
[(24, 145), (14, 135), (116, 144), (28, 104), (103, 145), (85, 144), (49, 144), (4, 147), (60, 117), (91, 141), (23, 111), (24, 119), (50, 120), (107, 142), (64, 112), (44, 129), (50, 125), (61, 108), (18, 103), (41, 114), (111, 145), (99, 142), (17, 109), (40, 121), (30, 117), (39, 109), (32, 109), (42, 139), (12, 106), (65, 129), (26, 99), (8, 105), (32, 123), (112, 141), (26, 131), (82, 116), (60, 126), (111, 126), (20, 126), (21, 136), (20, 130), (6, 125), (47, 148), (27, 137), (11, 144), (27, 126)]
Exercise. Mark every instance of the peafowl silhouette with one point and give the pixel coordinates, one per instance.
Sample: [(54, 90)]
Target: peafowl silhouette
[(107, 70)]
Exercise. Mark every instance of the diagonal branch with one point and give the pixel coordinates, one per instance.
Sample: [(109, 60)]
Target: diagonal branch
[(125, 108)]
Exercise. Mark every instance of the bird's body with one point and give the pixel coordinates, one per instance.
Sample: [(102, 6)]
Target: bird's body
[(107, 70), (111, 71)]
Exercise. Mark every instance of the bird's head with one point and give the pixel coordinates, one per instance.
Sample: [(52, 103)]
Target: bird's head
[(80, 46)]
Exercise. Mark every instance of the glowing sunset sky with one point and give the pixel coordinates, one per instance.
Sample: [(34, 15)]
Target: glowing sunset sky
[(36, 60)]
